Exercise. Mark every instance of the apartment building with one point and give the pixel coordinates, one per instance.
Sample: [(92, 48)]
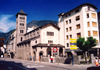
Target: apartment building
[(99, 24), (81, 21)]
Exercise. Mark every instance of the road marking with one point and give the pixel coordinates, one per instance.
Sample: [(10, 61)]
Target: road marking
[(34, 66), (10, 68)]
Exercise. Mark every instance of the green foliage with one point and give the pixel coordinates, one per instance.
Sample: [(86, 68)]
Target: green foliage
[(86, 45)]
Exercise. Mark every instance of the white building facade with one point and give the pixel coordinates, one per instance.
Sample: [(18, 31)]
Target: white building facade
[(81, 21)]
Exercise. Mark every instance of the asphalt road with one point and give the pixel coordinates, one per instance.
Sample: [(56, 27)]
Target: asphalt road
[(12, 64)]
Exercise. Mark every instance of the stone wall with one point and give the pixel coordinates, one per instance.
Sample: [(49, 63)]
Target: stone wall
[(64, 60), (44, 59)]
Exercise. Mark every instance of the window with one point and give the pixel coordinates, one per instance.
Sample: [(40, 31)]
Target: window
[(87, 15), (89, 33), (67, 44), (33, 33), (77, 18), (88, 24), (36, 41), (95, 33), (69, 20), (67, 37), (78, 35), (50, 33), (37, 32), (78, 26), (77, 11), (21, 24), (97, 41), (50, 42), (70, 28), (93, 15), (66, 29), (22, 17), (70, 36), (66, 22), (21, 39), (94, 24), (88, 8), (21, 31)]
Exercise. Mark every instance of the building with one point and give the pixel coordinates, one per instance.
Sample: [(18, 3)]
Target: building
[(99, 23), (36, 42), (11, 44), (81, 21)]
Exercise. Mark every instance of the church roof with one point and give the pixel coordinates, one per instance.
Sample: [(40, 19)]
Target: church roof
[(21, 13)]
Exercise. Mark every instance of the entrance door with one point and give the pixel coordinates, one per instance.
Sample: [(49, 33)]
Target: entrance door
[(48, 51), (40, 54), (61, 52)]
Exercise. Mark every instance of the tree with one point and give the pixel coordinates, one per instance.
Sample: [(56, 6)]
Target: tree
[(85, 45)]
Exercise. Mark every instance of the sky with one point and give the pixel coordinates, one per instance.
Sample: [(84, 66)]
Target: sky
[(36, 10)]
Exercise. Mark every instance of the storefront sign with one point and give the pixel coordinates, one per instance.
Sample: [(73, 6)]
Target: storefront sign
[(73, 44)]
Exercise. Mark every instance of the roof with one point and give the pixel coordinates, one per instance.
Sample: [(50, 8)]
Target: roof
[(43, 26), (48, 45), (21, 13), (27, 41), (86, 4)]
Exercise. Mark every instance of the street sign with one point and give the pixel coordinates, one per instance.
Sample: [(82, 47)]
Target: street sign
[(54, 49), (73, 44)]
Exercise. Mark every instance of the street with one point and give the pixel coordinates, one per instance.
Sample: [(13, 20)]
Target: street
[(12, 64)]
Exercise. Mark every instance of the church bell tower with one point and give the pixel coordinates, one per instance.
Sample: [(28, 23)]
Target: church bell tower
[(21, 19)]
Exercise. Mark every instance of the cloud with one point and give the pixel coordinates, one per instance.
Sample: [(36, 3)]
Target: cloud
[(6, 24)]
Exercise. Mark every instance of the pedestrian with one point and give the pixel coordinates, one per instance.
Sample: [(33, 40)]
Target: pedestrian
[(96, 62), (30, 58), (51, 59), (99, 61), (34, 58)]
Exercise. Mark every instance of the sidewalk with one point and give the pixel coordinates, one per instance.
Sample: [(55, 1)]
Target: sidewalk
[(53, 64)]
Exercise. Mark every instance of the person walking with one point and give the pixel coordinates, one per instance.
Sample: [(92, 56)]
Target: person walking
[(96, 62), (99, 61)]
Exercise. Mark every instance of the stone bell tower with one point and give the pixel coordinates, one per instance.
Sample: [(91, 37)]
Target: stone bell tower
[(21, 18)]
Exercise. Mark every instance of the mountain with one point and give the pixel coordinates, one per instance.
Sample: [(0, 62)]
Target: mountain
[(40, 23), (6, 35)]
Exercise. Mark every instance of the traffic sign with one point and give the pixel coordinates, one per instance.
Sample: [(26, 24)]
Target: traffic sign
[(54, 49)]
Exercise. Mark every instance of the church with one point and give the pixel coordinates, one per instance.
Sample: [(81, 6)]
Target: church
[(37, 42)]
